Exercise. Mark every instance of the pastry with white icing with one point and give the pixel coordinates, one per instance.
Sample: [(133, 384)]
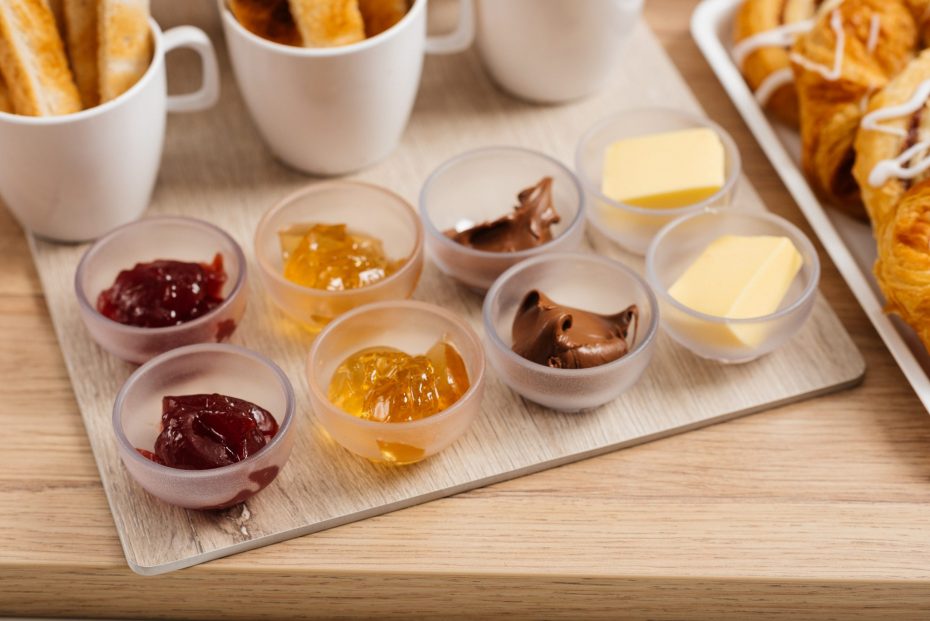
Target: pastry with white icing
[(920, 9), (853, 50), (893, 142), (763, 33), (893, 169)]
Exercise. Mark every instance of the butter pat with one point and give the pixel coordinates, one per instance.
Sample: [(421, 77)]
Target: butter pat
[(739, 277), (672, 169)]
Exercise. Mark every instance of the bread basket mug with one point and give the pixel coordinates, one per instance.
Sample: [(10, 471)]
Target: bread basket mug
[(334, 110), (75, 176)]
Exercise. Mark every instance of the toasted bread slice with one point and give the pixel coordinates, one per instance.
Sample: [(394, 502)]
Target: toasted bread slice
[(5, 104), (379, 15), (58, 10), (328, 23), (33, 61), (80, 18), (269, 19), (124, 45)]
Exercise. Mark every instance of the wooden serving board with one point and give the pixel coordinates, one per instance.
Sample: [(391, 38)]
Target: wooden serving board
[(216, 167)]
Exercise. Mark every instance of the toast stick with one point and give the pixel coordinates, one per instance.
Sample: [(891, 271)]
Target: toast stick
[(125, 45), (58, 10), (33, 61), (327, 23), (379, 15), (269, 19), (81, 41), (5, 104)]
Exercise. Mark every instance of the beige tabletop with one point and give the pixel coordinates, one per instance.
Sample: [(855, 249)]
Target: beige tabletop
[(819, 509)]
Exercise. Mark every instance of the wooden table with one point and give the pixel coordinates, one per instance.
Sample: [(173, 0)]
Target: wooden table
[(816, 510)]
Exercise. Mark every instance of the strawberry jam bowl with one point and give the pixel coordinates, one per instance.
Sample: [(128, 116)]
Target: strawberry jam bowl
[(160, 283), (188, 375)]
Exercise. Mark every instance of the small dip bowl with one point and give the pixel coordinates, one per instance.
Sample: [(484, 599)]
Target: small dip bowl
[(412, 327), (482, 185), (207, 368), (630, 226), (680, 243), (164, 237), (364, 208), (584, 281)]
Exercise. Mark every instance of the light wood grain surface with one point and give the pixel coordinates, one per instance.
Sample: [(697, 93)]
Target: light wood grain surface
[(817, 510)]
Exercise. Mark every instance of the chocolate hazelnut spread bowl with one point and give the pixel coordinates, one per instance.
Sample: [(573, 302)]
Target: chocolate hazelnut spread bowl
[(570, 331), (488, 209)]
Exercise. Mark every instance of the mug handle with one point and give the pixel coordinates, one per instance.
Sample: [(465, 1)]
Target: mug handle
[(209, 92), (459, 39)]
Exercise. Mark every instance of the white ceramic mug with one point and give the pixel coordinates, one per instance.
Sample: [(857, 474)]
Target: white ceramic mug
[(334, 110), (76, 176), (552, 51)]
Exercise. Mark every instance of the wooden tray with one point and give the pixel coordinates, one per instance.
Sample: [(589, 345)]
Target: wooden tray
[(215, 167)]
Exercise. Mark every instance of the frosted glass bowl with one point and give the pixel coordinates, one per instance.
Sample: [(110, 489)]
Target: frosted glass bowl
[(482, 185), (164, 237), (366, 208), (629, 226), (412, 327), (679, 244), (585, 281), (207, 368)]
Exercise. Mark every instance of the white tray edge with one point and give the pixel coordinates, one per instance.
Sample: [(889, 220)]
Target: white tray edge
[(706, 24)]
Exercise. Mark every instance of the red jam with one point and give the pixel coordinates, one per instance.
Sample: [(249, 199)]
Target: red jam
[(164, 293), (200, 432)]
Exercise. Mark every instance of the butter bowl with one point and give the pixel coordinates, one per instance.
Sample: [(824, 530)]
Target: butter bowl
[(583, 281), (633, 227), (482, 185), (727, 340)]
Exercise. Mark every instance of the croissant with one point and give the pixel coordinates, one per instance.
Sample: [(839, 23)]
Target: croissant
[(889, 128), (763, 32), (852, 51), (893, 157), (920, 9), (903, 266)]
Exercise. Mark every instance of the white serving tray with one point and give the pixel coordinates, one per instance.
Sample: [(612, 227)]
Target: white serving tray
[(848, 241)]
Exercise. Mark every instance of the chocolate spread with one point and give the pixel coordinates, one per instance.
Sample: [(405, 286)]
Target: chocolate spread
[(527, 226), (570, 338)]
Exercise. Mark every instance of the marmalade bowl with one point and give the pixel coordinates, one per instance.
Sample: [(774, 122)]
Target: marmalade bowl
[(364, 208), (412, 327)]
